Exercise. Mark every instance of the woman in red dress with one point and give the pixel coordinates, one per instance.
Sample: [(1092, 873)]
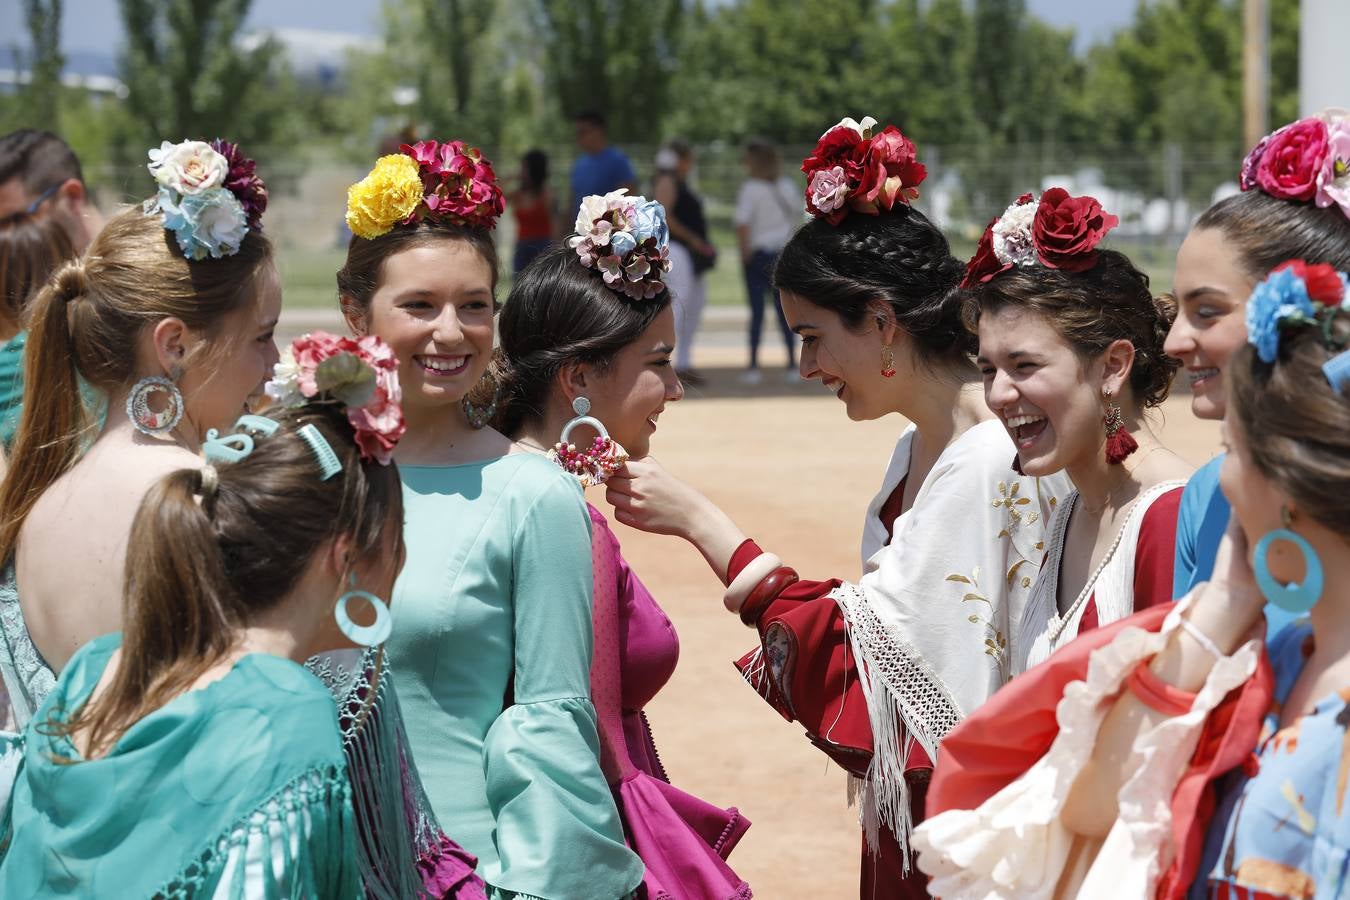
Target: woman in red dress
[(879, 670), (1071, 350)]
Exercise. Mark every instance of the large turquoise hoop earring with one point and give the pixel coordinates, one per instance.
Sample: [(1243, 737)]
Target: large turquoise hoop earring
[(366, 635), (1293, 597)]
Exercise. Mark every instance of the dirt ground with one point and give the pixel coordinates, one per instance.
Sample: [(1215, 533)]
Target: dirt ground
[(786, 463)]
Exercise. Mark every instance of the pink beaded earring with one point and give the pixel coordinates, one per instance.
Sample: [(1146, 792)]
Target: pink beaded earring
[(595, 464)]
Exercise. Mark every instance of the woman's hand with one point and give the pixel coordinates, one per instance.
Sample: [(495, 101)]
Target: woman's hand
[(647, 497)]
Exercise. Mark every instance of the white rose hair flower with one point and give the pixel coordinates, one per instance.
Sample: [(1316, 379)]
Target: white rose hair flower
[(210, 201)]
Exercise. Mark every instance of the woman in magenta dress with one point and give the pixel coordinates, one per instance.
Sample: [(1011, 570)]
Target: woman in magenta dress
[(578, 344)]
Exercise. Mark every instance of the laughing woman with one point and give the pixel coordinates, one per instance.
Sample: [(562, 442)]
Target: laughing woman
[(492, 614), (879, 670), (1071, 354)]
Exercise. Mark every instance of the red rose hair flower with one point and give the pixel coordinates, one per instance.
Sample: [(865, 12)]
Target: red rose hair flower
[(853, 169), (1058, 231)]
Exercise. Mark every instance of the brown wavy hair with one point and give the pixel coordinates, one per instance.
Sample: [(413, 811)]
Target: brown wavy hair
[(31, 249), (203, 564), (85, 323), (1091, 310), (1296, 426)]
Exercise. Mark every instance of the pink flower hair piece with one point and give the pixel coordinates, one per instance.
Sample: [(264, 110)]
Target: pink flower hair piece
[(361, 374), (458, 182), (1306, 160)]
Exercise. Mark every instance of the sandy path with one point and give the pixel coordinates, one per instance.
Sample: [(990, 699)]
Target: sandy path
[(717, 738)]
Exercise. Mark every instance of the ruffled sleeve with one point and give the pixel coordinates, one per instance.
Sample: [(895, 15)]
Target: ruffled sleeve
[(1013, 843), (545, 788)]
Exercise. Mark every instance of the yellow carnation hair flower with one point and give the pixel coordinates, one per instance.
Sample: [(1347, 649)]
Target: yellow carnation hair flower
[(385, 197)]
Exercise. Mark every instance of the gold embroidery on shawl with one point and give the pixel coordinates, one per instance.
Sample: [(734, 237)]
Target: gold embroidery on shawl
[(995, 644)]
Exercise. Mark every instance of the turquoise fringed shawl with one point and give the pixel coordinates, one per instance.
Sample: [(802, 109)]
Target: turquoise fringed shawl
[(236, 789)]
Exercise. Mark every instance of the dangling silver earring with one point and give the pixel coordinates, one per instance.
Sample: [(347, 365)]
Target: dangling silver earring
[(146, 420)]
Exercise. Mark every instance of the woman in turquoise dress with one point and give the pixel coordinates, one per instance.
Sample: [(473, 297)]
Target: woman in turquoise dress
[(31, 249), (492, 631), (180, 339), (193, 755)]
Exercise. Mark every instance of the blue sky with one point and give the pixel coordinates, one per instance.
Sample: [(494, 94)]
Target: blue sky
[(93, 27)]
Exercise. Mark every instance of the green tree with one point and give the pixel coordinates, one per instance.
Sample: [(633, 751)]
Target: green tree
[(612, 55), (44, 60), (191, 73)]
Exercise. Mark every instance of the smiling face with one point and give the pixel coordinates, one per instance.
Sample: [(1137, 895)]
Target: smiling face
[(232, 373), (433, 307), (631, 392), (846, 361), (1040, 389), (1211, 288)]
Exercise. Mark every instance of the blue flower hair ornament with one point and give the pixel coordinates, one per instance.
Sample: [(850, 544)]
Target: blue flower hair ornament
[(209, 196), (626, 240), (1297, 295)]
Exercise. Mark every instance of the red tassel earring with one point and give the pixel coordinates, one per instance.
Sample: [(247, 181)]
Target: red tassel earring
[(1119, 442), (887, 362)]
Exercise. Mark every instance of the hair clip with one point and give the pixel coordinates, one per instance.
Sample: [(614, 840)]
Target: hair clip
[(238, 444), (329, 464), (1337, 370)]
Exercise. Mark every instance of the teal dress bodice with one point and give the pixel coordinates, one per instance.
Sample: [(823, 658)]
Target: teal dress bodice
[(492, 644), (11, 386), (236, 789)]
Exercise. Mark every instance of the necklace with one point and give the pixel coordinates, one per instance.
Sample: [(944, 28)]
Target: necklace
[(1060, 622)]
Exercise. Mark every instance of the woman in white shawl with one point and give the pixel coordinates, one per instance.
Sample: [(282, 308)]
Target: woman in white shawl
[(879, 670)]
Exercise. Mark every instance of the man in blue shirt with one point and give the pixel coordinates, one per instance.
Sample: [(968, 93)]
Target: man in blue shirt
[(599, 168)]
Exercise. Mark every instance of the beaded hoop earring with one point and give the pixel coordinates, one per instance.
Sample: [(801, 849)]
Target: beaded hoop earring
[(146, 420), (1293, 597), (371, 635), (597, 462)]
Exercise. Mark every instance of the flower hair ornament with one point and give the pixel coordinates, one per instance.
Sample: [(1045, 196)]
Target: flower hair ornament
[(597, 462), (209, 196), (361, 374), (431, 181), (1305, 160), (626, 240), (1056, 231), (1298, 295), (856, 168)]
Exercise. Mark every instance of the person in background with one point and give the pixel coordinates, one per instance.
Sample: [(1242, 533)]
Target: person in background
[(690, 252), (41, 176), (767, 209), (31, 249), (599, 167), (533, 205)]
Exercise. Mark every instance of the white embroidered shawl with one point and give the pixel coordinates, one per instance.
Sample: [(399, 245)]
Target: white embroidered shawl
[(931, 617), (1039, 632)]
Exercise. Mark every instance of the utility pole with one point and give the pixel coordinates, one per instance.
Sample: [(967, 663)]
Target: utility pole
[(1255, 71)]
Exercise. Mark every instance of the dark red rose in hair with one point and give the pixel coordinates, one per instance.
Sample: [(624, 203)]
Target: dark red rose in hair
[(835, 148), (1322, 280), (1067, 230), (1288, 166), (890, 173), (984, 265), (242, 180)]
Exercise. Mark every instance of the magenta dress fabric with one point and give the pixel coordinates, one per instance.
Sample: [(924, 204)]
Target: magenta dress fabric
[(682, 840)]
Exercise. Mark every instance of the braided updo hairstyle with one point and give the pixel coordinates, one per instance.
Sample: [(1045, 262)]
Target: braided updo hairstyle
[(898, 257), (559, 312), (1091, 310)]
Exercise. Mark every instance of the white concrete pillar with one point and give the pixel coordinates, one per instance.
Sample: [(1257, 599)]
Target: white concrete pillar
[(1323, 64)]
